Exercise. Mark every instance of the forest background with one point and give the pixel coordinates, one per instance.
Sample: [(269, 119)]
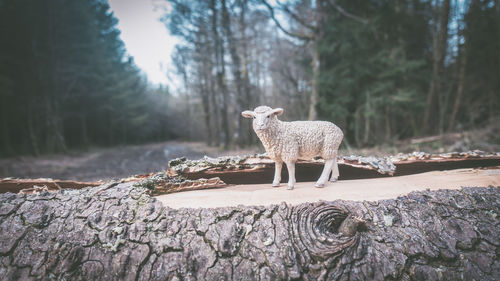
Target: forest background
[(384, 71)]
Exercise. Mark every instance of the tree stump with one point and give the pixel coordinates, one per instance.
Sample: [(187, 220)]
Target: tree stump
[(119, 232)]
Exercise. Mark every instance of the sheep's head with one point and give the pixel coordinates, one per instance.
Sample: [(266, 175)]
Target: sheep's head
[(262, 116)]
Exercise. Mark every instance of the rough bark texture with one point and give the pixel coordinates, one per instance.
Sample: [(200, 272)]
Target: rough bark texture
[(259, 168), (34, 185), (162, 183), (439, 54), (120, 232), (157, 183)]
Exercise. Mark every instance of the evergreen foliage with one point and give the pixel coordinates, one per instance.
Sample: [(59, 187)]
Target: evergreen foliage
[(66, 82)]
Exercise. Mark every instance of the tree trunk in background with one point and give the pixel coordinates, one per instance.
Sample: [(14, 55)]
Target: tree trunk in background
[(206, 115), (205, 99), (221, 77), (367, 116), (35, 148), (6, 146), (388, 133), (460, 89), (84, 131), (236, 69), (208, 93), (214, 105), (119, 232), (188, 109), (54, 141), (221, 80), (357, 126), (54, 131), (315, 64), (316, 60), (246, 79), (439, 54), (110, 129)]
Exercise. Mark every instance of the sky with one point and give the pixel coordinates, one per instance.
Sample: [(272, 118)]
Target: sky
[(146, 38)]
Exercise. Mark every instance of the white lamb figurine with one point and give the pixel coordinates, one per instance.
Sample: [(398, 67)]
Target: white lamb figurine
[(289, 141)]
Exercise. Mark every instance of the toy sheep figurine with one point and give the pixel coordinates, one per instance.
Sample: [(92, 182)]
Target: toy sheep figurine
[(289, 141)]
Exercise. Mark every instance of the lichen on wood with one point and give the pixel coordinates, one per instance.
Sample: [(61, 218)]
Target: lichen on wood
[(259, 168), (162, 183), (415, 156)]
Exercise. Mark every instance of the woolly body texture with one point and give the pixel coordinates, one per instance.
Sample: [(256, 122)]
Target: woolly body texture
[(290, 141)]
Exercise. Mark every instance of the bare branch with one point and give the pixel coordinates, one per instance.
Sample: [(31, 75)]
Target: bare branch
[(296, 17), (292, 34), (346, 13)]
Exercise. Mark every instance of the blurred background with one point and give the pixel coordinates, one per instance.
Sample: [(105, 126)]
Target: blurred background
[(93, 89)]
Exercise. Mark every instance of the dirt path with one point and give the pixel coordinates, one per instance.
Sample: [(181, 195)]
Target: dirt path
[(104, 164), (364, 189)]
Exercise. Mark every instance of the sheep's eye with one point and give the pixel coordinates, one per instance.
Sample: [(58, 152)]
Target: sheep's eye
[(267, 116)]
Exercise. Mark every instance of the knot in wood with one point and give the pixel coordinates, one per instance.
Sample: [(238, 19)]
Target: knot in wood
[(316, 230), (352, 225)]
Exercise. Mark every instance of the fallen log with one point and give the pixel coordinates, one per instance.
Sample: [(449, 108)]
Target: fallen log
[(38, 185), (185, 175), (254, 169), (157, 183), (120, 232)]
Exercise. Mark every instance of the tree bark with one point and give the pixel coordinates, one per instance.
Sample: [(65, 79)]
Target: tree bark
[(438, 59), (210, 104), (259, 169), (460, 89), (249, 101), (315, 64), (215, 110), (121, 233), (204, 92), (221, 77), (367, 116), (84, 131), (6, 140), (33, 136), (236, 69), (387, 118)]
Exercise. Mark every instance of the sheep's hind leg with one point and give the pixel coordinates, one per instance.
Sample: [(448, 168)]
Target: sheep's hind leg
[(335, 171), (326, 172), (291, 174), (277, 173)]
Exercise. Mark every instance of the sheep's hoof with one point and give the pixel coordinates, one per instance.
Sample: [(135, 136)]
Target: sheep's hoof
[(289, 187), (276, 184), (319, 185), (333, 179)]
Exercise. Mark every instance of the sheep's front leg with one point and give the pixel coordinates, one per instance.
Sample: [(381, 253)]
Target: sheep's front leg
[(326, 172), (277, 173), (291, 174)]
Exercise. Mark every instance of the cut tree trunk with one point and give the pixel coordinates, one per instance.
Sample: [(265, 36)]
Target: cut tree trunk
[(121, 233)]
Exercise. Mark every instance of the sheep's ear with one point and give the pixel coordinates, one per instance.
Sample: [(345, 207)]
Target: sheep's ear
[(248, 114), (277, 111)]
